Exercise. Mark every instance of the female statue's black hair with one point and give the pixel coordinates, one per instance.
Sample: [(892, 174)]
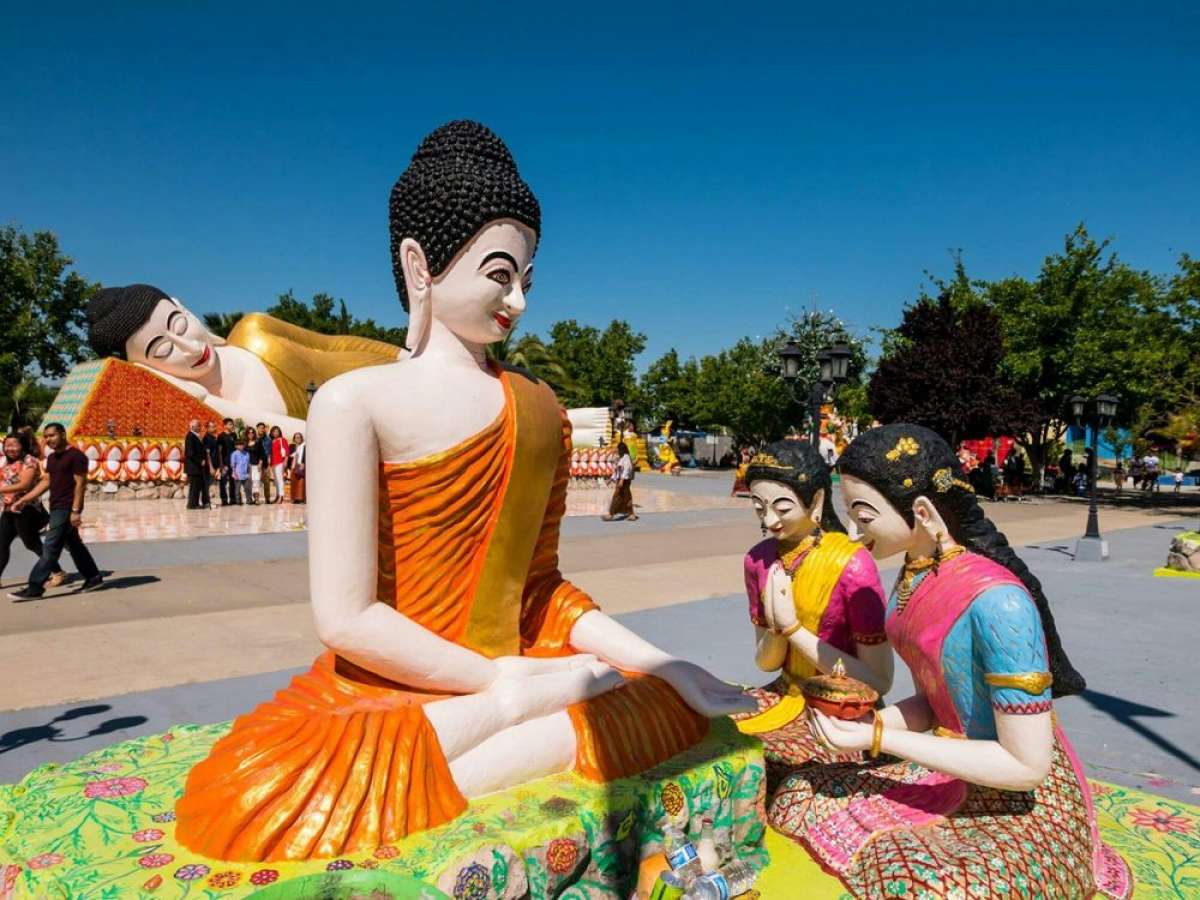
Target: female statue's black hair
[(904, 462), (461, 177), (798, 465), (115, 314)]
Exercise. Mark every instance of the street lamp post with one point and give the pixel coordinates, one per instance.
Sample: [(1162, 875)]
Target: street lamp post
[(834, 364), (1092, 547), (311, 390)]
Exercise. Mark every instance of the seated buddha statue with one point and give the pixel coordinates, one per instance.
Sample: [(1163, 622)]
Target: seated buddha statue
[(261, 372), (460, 661), (815, 598), (980, 794)]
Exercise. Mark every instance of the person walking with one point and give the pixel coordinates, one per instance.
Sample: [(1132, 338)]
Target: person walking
[(195, 465), (239, 473), (1119, 476), (226, 441), (19, 469), (1178, 483), (278, 456), (66, 480), (622, 498), (264, 457), (296, 467)]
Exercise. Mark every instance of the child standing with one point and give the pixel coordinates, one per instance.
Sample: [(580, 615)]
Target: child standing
[(1179, 480), (239, 467)]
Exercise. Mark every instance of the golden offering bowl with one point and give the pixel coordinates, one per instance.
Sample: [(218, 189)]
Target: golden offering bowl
[(839, 695)]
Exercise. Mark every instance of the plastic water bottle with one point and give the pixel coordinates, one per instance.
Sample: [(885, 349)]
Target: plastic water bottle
[(733, 880), (682, 855)]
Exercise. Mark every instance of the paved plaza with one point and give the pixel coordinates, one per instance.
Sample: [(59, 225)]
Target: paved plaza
[(209, 615)]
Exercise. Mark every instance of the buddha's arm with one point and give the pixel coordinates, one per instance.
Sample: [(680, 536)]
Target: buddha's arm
[(342, 499)]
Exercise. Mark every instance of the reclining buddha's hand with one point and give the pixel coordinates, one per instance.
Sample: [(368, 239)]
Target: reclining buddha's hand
[(528, 688), (704, 692)]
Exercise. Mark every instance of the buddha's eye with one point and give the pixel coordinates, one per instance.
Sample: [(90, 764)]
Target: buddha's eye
[(163, 349), (500, 276)]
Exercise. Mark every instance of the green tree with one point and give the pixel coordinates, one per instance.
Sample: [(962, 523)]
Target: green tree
[(740, 389), (1088, 323), (323, 314), (813, 331), (44, 310), (667, 390), (530, 353), (600, 363), (221, 324)]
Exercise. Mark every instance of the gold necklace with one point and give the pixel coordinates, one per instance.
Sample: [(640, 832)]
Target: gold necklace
[(793, 558), (913, 567)]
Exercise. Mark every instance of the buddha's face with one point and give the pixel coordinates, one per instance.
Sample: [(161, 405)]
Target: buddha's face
[(175, 342), (481, 294), (874, 521), (784, 515)]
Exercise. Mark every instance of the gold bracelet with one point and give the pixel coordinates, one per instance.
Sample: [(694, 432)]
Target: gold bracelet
[(877, 735), (791, 629)]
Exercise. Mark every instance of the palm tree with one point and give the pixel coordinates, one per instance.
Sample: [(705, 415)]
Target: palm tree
[(221, 324), (532, 354)]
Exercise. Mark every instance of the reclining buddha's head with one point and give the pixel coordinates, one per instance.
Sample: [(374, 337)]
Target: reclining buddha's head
[(141, 324), (464, 228)]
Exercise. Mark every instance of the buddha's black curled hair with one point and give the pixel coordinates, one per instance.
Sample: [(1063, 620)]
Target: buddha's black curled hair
[(461, 177), (116, 313), (798, 465), (904, 462)]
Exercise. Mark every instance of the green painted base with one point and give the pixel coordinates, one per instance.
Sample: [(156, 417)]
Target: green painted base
[(103, 827), (1164, 572)]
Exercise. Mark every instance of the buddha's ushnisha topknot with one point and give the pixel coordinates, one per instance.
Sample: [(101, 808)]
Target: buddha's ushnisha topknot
[(461, 178), (115, 314)]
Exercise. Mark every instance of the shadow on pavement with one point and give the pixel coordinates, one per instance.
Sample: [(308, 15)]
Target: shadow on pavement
[(1127, 714), (23, 737)]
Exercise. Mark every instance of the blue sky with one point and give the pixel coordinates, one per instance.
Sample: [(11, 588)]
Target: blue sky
[(701, 171)]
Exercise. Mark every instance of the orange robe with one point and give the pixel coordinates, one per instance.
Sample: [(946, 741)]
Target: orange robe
[(342, 760)]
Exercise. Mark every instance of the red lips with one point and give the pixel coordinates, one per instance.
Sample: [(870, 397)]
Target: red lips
[(502, 320), (204, 357)]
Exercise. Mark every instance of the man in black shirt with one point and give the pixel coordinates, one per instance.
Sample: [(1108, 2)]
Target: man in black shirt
[(225, 446), (66, 479), (195, 463), (212, 456)]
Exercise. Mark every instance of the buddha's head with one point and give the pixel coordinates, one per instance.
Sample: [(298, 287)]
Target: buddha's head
[(141, 324), (464, 228), (790, 489)]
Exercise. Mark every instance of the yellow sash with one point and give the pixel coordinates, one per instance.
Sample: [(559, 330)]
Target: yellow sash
[(812, 586)]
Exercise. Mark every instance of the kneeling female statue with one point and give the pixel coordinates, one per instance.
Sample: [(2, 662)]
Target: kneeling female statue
[(460, 660)]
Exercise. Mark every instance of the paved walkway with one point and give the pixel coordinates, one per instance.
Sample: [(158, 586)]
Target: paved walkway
[(201, 629)]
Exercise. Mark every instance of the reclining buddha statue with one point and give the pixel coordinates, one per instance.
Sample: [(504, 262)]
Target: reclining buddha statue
[(260, 372), (460, 661)]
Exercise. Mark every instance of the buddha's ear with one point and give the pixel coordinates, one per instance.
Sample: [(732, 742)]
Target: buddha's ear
[(418, 285)]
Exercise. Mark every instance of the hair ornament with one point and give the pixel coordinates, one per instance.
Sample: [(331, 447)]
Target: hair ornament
[(767, 461), (905, 446), (943, 480)]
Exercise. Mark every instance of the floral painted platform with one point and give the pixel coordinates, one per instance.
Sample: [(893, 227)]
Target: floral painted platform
[(103, 827), (1159, 838)]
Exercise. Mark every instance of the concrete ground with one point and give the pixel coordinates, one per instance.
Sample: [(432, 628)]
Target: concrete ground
[(199, 630)]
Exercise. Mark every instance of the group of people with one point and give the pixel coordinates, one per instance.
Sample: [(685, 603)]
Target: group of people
[(246, 465), (45, 532)]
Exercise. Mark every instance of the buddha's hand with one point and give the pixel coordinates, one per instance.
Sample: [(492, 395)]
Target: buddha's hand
[(529, 688), (704, 692), (780, 597), (843, 735)]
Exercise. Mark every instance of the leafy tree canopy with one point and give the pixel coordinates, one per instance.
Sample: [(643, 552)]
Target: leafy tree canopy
[(323, 314)]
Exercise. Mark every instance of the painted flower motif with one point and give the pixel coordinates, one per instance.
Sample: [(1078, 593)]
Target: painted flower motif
[(153, 883), (44, 860), (724, 778), (155, 860), (479, 828), (673, 800), (11, 874), (339, 865), (1162, 821), (168, 816), (561, 855), (473, 883), (386, 852), (264, 876), (191, 872), (369, 864), (148, 835), (109, 767), (112, 788), (167, 738), (224, 880), (1098, 789)]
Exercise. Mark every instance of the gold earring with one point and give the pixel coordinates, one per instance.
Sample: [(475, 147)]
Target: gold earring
[(937, 551)]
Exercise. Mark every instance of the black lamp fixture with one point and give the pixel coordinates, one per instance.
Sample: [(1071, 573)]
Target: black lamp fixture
[(833, 365), (311, 390), (1092, 547), (790, 356)]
